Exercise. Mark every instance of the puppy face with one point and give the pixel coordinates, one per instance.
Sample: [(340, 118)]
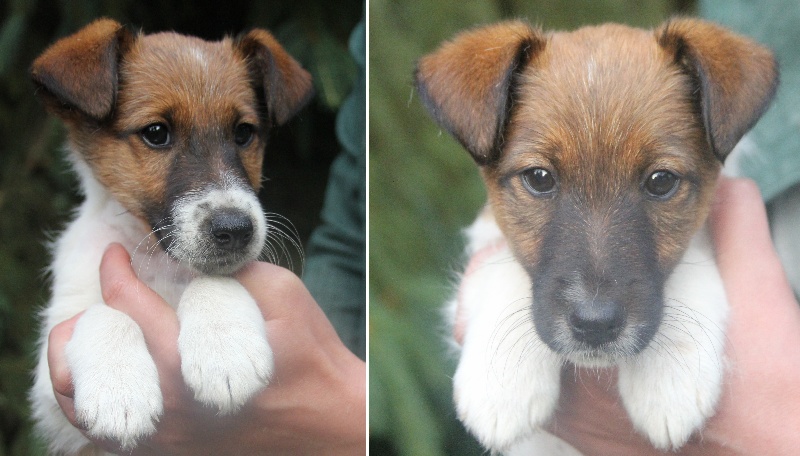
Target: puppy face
[(191, 148), (599, 150), (178, 130), (604, 177)]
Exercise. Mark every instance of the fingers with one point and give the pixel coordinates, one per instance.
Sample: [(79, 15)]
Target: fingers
[(59, 370), (745, 254), (123, 291), (288, 307), (738, 213), (278, 292)]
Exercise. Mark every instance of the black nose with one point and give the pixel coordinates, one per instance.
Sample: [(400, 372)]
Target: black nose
[(231, 230), (597, 323)]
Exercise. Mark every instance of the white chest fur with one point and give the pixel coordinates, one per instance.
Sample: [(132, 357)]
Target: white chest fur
[(102, 220)]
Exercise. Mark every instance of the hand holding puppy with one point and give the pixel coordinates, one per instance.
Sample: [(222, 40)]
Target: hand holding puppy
[(316, 400)]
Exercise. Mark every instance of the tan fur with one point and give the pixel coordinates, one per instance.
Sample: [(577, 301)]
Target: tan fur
[(287, 85), (737, 76), (161, 75), (108, 84), (81, 70), (603, 133), (602, 136), (482, 61)]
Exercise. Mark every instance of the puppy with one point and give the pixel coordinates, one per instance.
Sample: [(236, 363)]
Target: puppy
[(600, 150), (167, 135)]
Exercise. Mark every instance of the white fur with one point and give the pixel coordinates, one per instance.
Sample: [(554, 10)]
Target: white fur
[(507, 380), (225, 358), (190, 239), (117, 394), (109, 401)]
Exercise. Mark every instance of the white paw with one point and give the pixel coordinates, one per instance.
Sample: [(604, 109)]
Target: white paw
[(672, 387), (225, 358), (507, 382), (669, 396), (117, 394), (505, 387), (669, 410), (501, 414)]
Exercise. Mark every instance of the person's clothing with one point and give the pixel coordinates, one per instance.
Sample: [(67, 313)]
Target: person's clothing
[(335, 270)]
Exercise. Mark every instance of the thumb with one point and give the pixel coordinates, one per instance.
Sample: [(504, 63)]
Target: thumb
[(123, 291)]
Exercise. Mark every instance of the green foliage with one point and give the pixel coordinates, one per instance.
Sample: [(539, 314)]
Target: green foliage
[(423, 190), (37, 191)]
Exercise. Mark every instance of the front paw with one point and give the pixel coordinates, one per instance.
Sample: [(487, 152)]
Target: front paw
[(117, 393), (508, 402), (672, 387), (668, 403), (225, 357)]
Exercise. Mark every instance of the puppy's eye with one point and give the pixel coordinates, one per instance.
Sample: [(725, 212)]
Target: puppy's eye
[(243, 134), (156, 135), (662, 184), (538, 181)]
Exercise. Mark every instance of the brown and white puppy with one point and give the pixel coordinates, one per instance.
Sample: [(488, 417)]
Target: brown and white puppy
[(600, 150), (167, 134)]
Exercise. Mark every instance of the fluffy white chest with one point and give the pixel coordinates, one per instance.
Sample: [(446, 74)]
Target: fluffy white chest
[(78, 251)]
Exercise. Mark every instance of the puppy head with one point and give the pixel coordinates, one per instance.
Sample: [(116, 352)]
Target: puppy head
[(174, 128), (600, 150)]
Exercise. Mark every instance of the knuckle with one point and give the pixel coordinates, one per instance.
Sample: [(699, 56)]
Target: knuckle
[(114, 289)]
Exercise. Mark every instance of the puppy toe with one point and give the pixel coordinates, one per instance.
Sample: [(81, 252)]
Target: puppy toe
[(227, 371), (117, 393), (669, 404), (122, 416), (504, 406), (499, 424), (225, 357)]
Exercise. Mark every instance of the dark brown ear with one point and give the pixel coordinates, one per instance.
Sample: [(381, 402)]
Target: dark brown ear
[(287, 86), (735, 76), (467, 84), (79, 72)]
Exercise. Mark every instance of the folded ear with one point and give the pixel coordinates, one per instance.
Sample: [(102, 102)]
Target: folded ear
[(736, 77), (286, 85), (467, 84), (79, 72)]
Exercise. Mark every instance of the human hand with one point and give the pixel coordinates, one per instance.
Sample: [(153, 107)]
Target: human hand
[(760, 404), (315, 403)]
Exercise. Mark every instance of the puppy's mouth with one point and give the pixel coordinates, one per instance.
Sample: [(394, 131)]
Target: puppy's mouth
[(215, 232), (613, 321), (628, 343), (222, 244)]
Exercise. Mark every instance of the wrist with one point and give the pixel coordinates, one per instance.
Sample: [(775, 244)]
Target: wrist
[(316, 408), (354, 408)]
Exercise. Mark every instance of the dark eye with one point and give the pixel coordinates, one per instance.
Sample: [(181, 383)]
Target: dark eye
[(243, 134), (538, 181), (661, 184), (156, 135)]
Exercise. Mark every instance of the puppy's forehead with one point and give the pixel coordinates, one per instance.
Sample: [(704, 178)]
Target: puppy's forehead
[(186, 78), (603, 53), (601, 96)]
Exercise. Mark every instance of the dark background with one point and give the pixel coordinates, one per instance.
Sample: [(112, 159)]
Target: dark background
[(37, 191)]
